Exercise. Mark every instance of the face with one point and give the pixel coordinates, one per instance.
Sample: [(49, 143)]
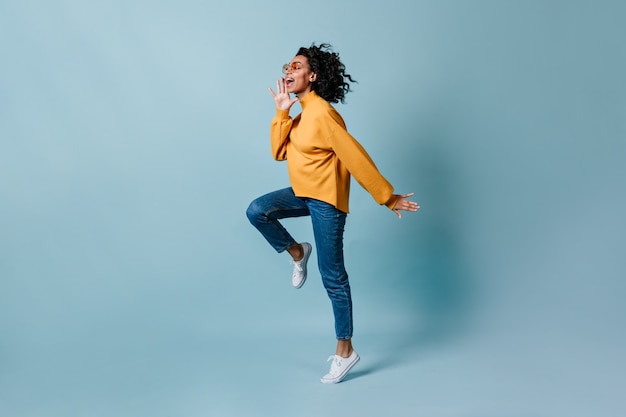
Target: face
[(298, 76)]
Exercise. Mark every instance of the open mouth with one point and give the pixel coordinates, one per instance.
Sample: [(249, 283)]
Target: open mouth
[(288, 81)]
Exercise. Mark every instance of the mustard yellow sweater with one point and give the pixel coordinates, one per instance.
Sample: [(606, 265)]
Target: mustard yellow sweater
[(321, 155)]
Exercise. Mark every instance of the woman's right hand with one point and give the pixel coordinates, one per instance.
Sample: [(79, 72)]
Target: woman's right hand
[(282, 98)]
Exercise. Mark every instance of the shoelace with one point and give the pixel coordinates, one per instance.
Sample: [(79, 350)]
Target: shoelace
[(298, 265), (334, 367)]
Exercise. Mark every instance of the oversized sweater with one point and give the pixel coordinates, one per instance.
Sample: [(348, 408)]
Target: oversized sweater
[(321, 155)]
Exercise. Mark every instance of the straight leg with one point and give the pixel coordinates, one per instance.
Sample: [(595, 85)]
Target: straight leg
[(328, 228)]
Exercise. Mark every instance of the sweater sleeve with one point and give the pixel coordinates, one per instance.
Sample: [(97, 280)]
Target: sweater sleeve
[(279, 134), (360, 165)]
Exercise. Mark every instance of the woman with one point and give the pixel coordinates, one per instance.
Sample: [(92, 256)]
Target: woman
[(321, 157)]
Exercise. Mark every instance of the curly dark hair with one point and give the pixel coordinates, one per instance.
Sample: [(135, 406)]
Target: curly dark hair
[(332, 80)]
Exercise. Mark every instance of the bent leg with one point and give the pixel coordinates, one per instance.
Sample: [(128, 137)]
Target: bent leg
[(265, 212)]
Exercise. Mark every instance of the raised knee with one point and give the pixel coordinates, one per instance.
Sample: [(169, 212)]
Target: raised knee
[(253, 212)]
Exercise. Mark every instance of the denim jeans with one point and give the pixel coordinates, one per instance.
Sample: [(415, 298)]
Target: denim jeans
[(328, 225)]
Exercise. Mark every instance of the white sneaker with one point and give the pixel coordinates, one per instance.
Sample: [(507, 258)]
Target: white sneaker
[(299, 268), (339, 368)]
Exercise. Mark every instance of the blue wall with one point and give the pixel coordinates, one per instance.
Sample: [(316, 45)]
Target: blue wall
[(133, 134)]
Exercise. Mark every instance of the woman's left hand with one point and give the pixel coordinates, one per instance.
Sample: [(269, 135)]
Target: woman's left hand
[(403, 203)]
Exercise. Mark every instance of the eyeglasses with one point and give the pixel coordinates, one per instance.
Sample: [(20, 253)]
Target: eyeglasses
[(294, 66)]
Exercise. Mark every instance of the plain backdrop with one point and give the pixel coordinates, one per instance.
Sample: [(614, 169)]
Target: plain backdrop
[(133, 135)]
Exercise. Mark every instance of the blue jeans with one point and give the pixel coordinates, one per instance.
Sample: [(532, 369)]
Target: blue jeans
[(328, 225)]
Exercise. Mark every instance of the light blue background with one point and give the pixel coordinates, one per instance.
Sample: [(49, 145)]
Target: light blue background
[(134, 134)]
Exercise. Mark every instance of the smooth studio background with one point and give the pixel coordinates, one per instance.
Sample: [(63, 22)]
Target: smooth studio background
[(133, 134)]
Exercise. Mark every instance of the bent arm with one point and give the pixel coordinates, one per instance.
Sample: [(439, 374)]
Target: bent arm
[(279, 134)]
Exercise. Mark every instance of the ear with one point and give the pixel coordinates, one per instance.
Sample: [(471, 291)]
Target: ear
[(313, 77)]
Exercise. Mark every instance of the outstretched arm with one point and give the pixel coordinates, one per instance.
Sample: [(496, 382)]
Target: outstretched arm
[(403, 203), (281, 124)]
